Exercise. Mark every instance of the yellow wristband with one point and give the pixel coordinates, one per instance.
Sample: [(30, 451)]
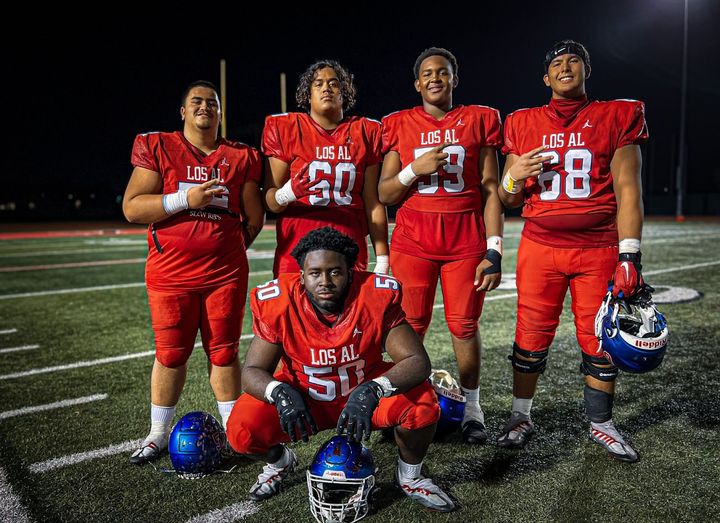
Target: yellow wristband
[(511, 185)]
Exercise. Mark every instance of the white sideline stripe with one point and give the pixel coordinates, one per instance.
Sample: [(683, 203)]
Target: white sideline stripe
[(683, 268), (76, 365), (74, 265), (234, 512), (72, 459), (51, 406), (18, 349), (10, 507), (90, 289), (8, 331)]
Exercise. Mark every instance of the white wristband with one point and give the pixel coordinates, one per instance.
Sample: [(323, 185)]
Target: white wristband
[(511, 185), (382, 264), (175, 202), (386, 386), (629, 245), (407, 175), (495, 242), (269, 390), (285, 195)]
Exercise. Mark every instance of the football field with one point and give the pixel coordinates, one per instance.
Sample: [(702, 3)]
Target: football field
[(76, 353)]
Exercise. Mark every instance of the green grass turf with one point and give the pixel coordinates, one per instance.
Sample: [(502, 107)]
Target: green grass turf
[(672, 415)]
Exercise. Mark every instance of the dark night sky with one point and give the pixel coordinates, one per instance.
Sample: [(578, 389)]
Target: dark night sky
[(88, 89)]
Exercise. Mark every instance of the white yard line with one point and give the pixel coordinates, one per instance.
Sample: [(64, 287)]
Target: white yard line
[(52, 406), (681, 268), (72, 459), (76, 365), (70, 291), (30, 254), (8, 331), (18, 349), (75, 265), (235, 512), (11, 509), (90, 289)]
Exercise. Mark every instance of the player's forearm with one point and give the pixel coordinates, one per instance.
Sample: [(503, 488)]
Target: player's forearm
[(145, 208), (630, 217), (391, 191), (493, 212), (255, 380), (409, 372), (378, 228), (271, 202)]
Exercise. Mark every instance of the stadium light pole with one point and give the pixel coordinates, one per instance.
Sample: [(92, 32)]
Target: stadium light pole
[(680, 172)]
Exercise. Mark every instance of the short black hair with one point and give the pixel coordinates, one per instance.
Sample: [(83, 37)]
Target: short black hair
[(326, 239), (567, 47), (347, 85), (197, 83), (435, 51)]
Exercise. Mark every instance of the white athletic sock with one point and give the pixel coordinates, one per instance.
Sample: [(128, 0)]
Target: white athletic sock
[(160, 424), (473, 410), (225, 408), (522, 405), (407, 472), (284, 460)]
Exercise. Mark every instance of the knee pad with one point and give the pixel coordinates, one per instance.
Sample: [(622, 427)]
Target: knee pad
[(172, 358), (598, 367), (598, 405), (463, 328), (222, 357), (525, 366)]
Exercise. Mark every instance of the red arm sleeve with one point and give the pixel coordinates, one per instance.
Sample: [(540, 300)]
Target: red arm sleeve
[(493, 129), (634, 130), (271, 140), (142, 154)]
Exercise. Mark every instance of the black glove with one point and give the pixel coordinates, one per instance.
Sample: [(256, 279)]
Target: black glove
[(358, 411), (293, 412), (495, 258)]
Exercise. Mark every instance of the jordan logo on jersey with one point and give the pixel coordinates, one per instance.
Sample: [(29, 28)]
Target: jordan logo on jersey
[(587, 124)]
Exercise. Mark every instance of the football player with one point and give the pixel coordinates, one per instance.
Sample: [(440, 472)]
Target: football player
[(441, 168), (201, 196), (575, 166), (324, 168), (328, 324)]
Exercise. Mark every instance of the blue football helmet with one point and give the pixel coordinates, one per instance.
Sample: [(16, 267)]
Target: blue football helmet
[(451, 399), (196, 444), (633, 334), (340, 481)]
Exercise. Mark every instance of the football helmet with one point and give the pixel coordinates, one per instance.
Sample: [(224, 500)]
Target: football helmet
[(451, 399), (340, 481), (632, 333), (196, 444)]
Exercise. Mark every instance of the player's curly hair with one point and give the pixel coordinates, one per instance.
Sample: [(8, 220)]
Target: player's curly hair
[(435, 51), (197, 83), (347, 85), (326, 239)]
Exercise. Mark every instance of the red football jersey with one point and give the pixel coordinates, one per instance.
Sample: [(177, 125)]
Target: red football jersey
[(196, 248), (328, 362), (456, 186), (335, 159), (577, 181)]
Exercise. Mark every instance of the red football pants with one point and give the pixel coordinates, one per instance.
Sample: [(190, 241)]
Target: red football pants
[(544, 274), (419, 276)]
